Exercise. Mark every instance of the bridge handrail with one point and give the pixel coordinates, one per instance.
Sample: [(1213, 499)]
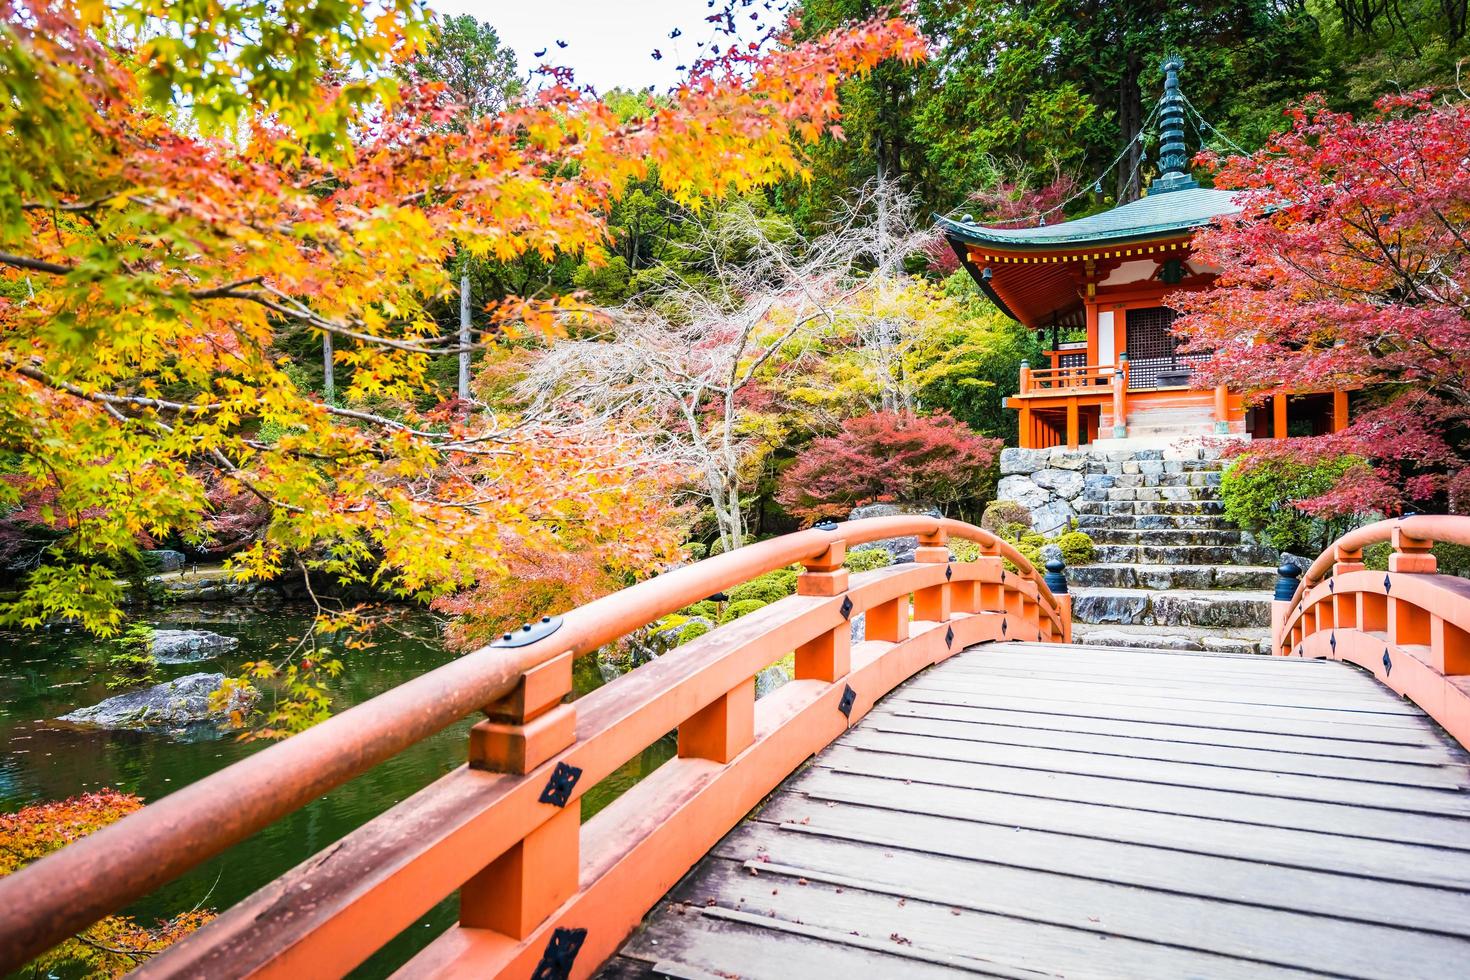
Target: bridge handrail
[(74, 887), (1430, 528), (1409, 626)]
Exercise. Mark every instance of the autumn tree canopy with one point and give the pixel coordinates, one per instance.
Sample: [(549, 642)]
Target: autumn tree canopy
[(1349, 268), (181, 186)]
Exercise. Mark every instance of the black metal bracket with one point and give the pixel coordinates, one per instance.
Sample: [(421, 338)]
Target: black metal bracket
[(559, 787), (530, 632), (846, 606), (561, 952), (848, 697)]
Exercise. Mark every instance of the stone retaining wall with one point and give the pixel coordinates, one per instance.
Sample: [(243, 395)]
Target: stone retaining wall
[(1049, 482)]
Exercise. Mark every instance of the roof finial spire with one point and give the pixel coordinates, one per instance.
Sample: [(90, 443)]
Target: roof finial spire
[(1173, 162)]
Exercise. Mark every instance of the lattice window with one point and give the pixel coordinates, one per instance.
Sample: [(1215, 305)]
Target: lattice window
[(1077, 359), (1152, 348)]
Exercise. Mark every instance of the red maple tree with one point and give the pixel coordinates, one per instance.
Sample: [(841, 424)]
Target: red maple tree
[(1348, 267), (935, 459)]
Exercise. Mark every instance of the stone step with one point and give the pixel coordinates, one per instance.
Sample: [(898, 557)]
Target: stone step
[(1186, 554), (1163, 522), (1177, 494), (1111, 466), (1228, 609), (1165, 537), (1106, 481), (1162, 577), (1193, 640), (1173, 508)]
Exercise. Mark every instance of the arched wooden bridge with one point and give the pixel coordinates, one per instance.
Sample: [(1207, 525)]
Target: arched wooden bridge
[(959, 792)]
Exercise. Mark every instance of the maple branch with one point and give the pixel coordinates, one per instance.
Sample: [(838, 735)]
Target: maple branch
[(34, 265)]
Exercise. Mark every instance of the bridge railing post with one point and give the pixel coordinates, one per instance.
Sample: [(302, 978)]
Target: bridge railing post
[(827, 656), (519, 889), (1056, 581), (933, 604), (1287, 577)]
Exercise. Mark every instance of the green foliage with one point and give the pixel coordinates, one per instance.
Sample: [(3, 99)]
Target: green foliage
[(478, 73), (1260, 496), (707, 608), (1077, 549), (692, 631), (964, 549), (737, 609), (766, 588), (1006, 519), (130, 660), (696, 550), (867, 559)]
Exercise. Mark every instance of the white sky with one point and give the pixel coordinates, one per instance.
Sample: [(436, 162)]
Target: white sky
[(611, 42)]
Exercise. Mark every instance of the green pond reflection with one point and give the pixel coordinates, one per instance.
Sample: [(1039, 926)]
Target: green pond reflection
[(43, 675)]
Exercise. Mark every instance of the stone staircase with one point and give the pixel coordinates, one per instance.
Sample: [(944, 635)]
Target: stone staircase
[(1171, 573)]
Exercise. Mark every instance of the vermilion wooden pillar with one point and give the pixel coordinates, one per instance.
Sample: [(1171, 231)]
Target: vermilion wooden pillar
[(1278, 417), (1339, 411)]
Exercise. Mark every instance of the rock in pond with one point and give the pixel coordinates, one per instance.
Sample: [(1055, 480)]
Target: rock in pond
[(173, 705), (187, 646)]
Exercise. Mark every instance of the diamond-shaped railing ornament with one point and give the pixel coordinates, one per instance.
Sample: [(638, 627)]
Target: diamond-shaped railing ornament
[(949, 637), (948, 572), (1387, 583), (1331, 585), (1387, 662), (1003, 626), (1332, 641), (561, 952), (848, 697), (559, 787), (846, 606)]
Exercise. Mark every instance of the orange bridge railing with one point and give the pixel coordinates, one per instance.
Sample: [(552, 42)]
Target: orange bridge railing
[(540, 892), (1409, 625)]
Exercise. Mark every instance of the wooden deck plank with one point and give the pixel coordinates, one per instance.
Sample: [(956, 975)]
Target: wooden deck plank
[(1282, 761), (1308, 848), (1403, 728), (1412, 799), (1282, 701), (1024, 810), (1280, 935), (1327, 744)]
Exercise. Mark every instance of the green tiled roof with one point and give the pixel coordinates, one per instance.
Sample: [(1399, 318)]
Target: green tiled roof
[(1147, 217)]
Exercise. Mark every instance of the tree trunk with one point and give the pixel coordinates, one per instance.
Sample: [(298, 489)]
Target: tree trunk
[(464, 337), (329, 387), (1130, 121)]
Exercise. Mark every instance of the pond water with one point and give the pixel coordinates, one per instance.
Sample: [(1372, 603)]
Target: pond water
[(48, 674)]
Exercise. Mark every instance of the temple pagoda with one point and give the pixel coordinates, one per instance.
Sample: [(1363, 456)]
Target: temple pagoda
[(1103, 280)]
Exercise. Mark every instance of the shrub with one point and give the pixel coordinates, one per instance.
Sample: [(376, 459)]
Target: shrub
[(964, 549), (867, 559), (1261, 495), (1077, 548), (1454, 559), (692, 631), (707, 608), (696, 550), (737, 609), (1006, 519), (766, 588)]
